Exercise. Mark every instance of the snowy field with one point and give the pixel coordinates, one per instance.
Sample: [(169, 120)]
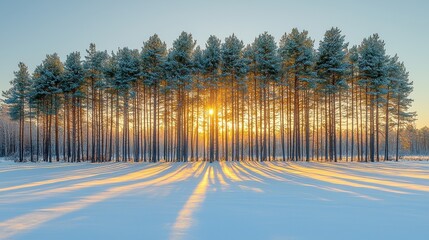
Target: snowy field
[(246, 200)]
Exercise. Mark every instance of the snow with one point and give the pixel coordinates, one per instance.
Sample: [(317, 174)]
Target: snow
[(416, 157), (5, 160), (226, 200)]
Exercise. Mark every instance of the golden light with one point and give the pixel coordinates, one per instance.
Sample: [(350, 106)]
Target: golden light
[(210, 111), (186, 218)]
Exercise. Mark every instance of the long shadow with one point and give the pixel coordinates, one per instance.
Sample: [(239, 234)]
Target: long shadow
[(235, 175), (185, 218), (336, 176), (43, 176), (70, 176), (271, 172), (399, 171), (32, 220), (290, 168), (30, 166), (247, 176), (147, 171)]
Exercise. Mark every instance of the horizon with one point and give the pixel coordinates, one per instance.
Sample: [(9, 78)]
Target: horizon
[(33, 34)]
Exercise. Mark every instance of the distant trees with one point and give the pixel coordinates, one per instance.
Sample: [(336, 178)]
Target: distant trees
[(413, 141), (227, 102)]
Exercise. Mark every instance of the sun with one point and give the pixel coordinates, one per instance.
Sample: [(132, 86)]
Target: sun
[(210, 111)]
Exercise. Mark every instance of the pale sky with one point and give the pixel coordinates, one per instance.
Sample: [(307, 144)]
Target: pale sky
[(31, 29)]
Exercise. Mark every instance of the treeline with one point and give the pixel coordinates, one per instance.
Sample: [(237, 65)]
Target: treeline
[(263, 101)]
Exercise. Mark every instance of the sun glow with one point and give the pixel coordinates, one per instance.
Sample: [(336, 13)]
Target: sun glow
[(210, 111)]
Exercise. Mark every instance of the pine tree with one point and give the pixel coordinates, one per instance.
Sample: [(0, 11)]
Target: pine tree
[(110, 71), (233, 71), (373, 77), (211, 69), (296, 51), (331, 68), (179, 73), (153, 59), (72, 84), (128, 73), (353, 57), (17, 98), (248, 63), (46, 95), (400, 89), (199, 87), (267, 64), (95, 83), (216, 103)]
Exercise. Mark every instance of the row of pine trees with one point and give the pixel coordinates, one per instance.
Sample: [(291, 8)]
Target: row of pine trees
[(227, 101)]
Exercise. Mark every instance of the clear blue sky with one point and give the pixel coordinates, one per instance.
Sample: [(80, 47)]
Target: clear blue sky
[(31, 29)]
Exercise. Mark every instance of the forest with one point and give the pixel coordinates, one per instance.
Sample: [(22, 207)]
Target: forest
[(226, 101)]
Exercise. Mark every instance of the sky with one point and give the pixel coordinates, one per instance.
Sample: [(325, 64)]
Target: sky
[(31, 29)]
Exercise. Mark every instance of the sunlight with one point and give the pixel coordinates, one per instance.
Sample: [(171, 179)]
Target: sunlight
[(147, 172), (337, 174), (297, 170), (394, 172), (253, 189), (51, 181), (259, 169), (185, 171), (36, 218), (184, 220), (27, 166), (237, 166), (219, 176), (229, 173), (237, 176)]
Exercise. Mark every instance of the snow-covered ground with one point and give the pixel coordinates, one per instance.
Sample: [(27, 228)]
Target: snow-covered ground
[(246, 200), (415, 157)]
